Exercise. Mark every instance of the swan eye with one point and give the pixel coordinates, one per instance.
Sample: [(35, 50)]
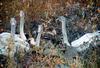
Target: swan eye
[(15, 40)]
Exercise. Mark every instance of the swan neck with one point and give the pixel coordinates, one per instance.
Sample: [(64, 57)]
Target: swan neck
[(22, 21), (13, 29), (21, 25), (40, 29), (64, 32), (13, 26)]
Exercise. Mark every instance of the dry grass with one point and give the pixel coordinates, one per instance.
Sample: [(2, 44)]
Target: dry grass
[(49, 61)]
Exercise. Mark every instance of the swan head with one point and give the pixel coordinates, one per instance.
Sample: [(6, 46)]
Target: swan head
[(13, 21), (67, 19), (22, 14), (61, 19)]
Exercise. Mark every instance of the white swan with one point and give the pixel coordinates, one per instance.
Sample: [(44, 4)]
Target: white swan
[(83, 42), (13, 41)]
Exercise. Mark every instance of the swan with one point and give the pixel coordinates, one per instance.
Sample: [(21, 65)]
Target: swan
[(13, 41), (83, 42)]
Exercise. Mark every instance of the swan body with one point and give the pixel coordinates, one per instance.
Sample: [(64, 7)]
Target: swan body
[(83, 42), (85, 38), (16, 43)]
